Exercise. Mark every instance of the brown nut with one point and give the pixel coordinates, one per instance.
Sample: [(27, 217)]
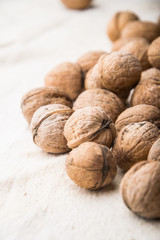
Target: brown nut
[(121, 42), (118, 22), (76, 4), (38, 97), (140, 189), (154, 53), (148, 89), (89, 124), (93, 78), (133, 143), (89, 59), (91, 166), (138, 113), (154, 152), (139, 47), (47, 127), (66, 76), (148, 30), (107, 100)]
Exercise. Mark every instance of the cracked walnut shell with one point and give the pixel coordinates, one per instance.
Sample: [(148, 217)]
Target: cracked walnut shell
[(38, 97), (47, 127), (154, 152), (133, 143), (89, 124), (140, 189), (76, 4), (154, 53), (91, 166)]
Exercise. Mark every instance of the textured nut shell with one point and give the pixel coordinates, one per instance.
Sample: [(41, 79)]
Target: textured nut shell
[(138, 113), (47, 127), (140, 189), (117, 23), (154, 152), (147, 30), (107, 100), (76, 4), (154, 53), (66, 76), (121, 42), (93, 78), (91, 166), (89, 59), (133, 143), (89, 124), (139, 48), (38, 97), (119, 71), (148, 89)]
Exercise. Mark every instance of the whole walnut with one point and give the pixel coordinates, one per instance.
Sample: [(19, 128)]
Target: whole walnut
[(133, 143), (138, 113), (148, 89), (89, 59), (139, 48), (154, 152), (66, 76), (91, 166), (140, 189), (38, 97), (118, 22), (47, 127), (76, 4), (121, 42), (89, 124), (148, 30), (154, 53), (105, 99)]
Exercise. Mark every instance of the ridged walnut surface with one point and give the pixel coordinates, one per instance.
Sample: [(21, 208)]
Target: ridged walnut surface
[(140, 189), (133, 143), (93, 78), (121, 42), (154, 53), (47, 127), (76, 4), (89, 124), (154, 152), (38, 97), (91, 166), (105, 99)]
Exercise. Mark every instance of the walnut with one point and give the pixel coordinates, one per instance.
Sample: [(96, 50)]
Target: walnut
[(38, 97), (91, 166), (89, 59), (93, 78), (154, 152), (133, 143), (138, 113), (47, 127), (140, 189), (121, 42), (154, 53), (118, 22), (147, 30), (107, 100), (76, 4), (66, 76), (148, 89), (89, 124), (139, 47)]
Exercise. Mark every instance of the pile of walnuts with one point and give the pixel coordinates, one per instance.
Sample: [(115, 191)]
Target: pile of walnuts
[(105, 110)]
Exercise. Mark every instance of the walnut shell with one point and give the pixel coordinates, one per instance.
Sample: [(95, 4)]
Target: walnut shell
[(133, 143), (93, 78), (107, 100), (138, 113), (148, 89), (140, 189), (148, 30), (66, 76), (38, 97), (121, 42), (89, 124), (154, 53), (89, 59), (154, 152), (76, 4), (91, 166), (139, 48), (47, 127), (118, 22)]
